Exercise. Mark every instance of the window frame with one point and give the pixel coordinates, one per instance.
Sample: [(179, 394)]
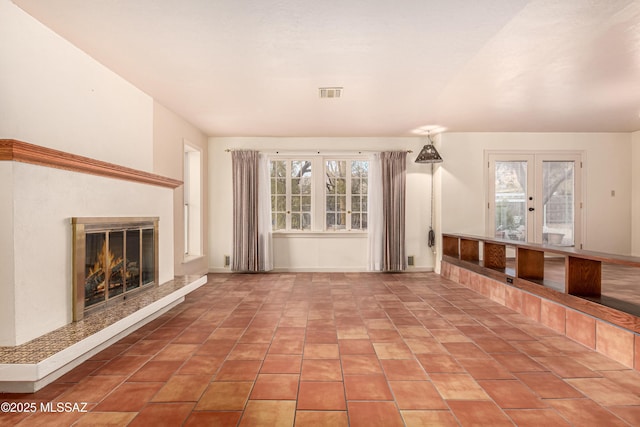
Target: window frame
[(349, 194), (192, 176), (289, 195), (319, 193)]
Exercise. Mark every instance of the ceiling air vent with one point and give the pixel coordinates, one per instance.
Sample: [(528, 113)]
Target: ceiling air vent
[(330, 92)]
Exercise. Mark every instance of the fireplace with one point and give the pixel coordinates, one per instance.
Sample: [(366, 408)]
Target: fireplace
[(112, 259)]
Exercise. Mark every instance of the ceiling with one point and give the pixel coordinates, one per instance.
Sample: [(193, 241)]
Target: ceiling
[(253, 67)]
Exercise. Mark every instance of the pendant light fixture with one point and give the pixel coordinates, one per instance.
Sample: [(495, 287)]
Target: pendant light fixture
[(429, 154)]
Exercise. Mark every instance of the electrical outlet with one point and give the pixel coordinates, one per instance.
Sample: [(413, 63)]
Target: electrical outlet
[(227, 260), (411, 260)]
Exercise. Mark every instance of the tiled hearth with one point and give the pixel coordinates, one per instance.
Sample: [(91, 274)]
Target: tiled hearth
[(23, 365), (337, 350)]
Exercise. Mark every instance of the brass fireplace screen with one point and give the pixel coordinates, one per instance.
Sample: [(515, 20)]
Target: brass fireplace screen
[(112, 258)]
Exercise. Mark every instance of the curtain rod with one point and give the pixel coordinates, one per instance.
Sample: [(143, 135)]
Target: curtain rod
[(228, 150)]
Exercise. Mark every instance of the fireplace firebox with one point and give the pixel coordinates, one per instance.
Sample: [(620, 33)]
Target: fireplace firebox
[(112, 259)]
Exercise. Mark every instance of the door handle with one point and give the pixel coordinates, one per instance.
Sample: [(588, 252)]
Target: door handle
[(532, 209)]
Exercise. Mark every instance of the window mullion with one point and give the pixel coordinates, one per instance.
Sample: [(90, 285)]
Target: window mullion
[(348, 196), (288, 196), (320, 210), (317, 210)]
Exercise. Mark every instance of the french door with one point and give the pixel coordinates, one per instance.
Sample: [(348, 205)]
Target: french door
[(535, 197)]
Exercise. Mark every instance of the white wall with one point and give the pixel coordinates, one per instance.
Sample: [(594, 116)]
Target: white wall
[(79, 106), (606, 219), (635, 198), (7, 267), (320, 253), (169, 134), (317, 253)]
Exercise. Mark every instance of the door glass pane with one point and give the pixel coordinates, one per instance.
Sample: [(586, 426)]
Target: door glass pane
[(511, 200), (306, 221), (295, 203), (278, 221), (558, 202), (355, 203), (295, 185), (306, 203), (355, 221), (295, 221)]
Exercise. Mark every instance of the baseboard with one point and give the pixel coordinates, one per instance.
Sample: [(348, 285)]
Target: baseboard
[(218, 270)]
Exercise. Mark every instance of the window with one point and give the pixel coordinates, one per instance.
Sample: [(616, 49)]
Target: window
[(291, 194), (338, 197), (346, 194), (192, 201)]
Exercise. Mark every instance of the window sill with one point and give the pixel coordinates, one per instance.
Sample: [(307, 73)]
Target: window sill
[(190, 258), (320, 234)]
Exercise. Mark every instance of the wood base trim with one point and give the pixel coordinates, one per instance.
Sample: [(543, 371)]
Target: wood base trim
[(18, 151)]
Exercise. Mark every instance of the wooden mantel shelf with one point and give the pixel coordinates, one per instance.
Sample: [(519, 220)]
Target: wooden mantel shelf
[(18, 151)]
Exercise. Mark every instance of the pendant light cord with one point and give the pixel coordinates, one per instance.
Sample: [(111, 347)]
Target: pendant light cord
[(431, 240)]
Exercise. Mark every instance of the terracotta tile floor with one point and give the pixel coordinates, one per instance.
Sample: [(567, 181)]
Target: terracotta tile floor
[(337, 350)]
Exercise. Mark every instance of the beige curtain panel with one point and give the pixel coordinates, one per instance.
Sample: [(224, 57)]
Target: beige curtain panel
[(394, 176), (245, 211)]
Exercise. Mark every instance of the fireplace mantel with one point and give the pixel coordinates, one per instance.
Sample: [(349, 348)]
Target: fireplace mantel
[(41, 190), (18, 151)]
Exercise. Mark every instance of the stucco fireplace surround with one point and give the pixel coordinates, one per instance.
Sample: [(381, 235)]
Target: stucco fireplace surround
[(128, 212)]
